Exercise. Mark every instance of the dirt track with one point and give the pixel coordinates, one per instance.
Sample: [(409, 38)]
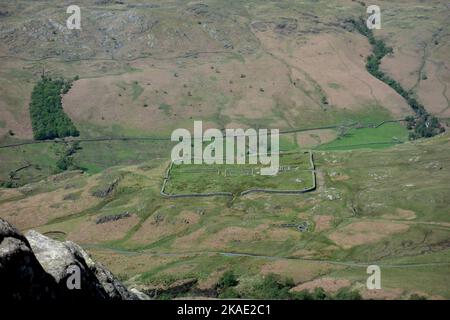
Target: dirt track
[(247, 255)]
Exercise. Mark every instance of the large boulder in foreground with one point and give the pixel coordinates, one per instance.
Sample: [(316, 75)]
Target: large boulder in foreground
[(35, 267), (21, 275)]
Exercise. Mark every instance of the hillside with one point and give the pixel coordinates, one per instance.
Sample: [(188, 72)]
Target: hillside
[(92, 163), (165, 62), (387, 207)]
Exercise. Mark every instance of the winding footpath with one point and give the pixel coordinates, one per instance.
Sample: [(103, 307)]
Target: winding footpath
[(263, 257)]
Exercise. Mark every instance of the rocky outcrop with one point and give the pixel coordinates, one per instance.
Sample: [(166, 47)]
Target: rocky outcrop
[(35, 267), (103, 193), (115, 217), (21, 275), (172, 290), (112, 286)]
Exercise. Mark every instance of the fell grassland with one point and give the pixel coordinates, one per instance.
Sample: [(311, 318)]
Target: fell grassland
[(146, 70), (278, 65), (400, 190), (38, 161), (384, 136), (295, 173), (283, 66)]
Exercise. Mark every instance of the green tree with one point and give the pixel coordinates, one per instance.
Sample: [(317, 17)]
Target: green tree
[(347, 294), (227, 280), (48, 119), (426, 125)]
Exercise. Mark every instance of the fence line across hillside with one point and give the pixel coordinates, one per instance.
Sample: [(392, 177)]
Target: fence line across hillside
[(111, 139)]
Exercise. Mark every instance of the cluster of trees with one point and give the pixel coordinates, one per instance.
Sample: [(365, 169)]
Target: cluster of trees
[(423, 125), (65, 160), (276, 287), (9, 184), (48, 119), (227, 280)]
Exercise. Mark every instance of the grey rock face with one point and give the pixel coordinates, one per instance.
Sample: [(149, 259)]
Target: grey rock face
[(112, 286), (36, 267), (21, 275), (58, 260), (114, 217), (139, 294)]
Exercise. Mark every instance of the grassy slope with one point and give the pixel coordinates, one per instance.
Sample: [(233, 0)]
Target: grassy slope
[(205, 178), (372, 182), (381, 137), (214, 91)]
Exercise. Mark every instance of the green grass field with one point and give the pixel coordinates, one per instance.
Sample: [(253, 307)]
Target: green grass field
[(93, 157), (294, 174), (384, 136)]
